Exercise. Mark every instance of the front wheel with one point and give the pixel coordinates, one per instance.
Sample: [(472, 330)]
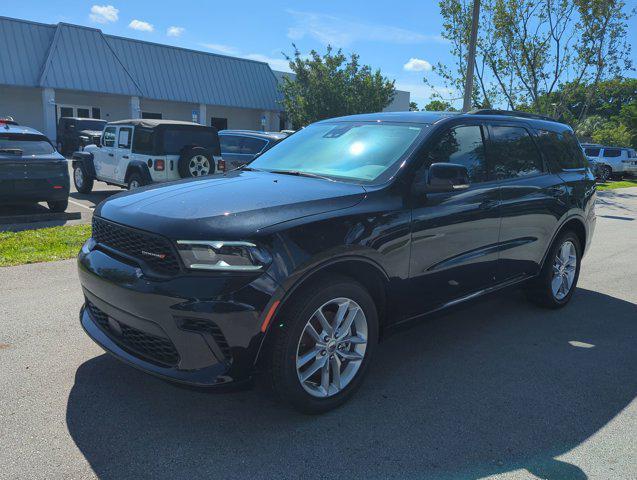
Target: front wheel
[(605, 173), (323, 344), (555, 285)]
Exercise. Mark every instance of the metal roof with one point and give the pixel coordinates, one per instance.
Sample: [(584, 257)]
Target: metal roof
[(73, 57)]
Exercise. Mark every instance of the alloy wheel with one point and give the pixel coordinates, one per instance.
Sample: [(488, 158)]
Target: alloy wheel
[(199, 166), (564, 267), (332, 347), (78, 176)]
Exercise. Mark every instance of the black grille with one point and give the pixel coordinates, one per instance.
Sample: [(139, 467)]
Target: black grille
[(156, 349), (152, 250)]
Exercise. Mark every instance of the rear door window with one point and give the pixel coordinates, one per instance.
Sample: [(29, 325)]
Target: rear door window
[(124, 138), (252, 146), (230, 143), (514, 153), (612, 152)]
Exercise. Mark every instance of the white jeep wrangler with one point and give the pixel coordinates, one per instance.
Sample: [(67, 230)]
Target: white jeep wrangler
[(133, 153)]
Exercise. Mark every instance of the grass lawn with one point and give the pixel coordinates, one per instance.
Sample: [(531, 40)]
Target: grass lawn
[(42, 245), (618, 184)]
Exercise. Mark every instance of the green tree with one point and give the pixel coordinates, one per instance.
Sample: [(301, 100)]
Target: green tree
[(587, 128), (438, 106), (332, 85), (613, 134), (413, 107), (527, 49)]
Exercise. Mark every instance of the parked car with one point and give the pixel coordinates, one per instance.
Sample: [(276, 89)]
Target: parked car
[(611, 162), (295, 265), (31, 170), (75, 133), (239, 147), (133, 153)]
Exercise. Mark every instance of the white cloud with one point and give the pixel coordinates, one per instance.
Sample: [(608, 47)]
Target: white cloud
[(417, 65), (219, 47), (277, 63), (175, 31), (141, 26), (341, 32), (104, 14)]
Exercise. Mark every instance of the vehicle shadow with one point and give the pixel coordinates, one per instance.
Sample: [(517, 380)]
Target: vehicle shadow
[(498, 386), (95, 197)]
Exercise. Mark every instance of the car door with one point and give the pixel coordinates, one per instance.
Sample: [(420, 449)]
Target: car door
[(454, 234), (533, 198), (105, 158), (123, 152)]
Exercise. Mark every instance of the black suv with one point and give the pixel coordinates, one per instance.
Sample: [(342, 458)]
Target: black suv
[(75, 133), (295, 265)]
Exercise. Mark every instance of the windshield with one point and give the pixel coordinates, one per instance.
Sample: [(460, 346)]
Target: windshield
[(22, 144), (91, 125), (360, 151), (175, 139)]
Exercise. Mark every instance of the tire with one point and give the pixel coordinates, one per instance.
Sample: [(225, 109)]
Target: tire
[(292, 342), (58, 206), (195, 162), (82, 180), (135, 181), (542, 291), (605, 173)]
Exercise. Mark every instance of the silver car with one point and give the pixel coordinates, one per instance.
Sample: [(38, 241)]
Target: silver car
[(611, 162)]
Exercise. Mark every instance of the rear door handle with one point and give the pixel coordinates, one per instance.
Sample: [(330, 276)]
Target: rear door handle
[(124, 156)]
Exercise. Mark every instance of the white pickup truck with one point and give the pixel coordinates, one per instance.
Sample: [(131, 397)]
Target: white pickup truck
[(133, 153)]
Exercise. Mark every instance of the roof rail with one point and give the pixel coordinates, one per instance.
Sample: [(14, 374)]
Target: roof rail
[(511, 113)]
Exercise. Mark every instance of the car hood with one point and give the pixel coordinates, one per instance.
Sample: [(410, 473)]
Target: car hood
[(235, 205)]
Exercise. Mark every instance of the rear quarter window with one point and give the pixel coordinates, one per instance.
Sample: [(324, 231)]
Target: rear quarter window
[(562, 149), (143, 140)]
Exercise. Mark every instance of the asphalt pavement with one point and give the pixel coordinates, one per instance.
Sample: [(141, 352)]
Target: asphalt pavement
[(497, 389)]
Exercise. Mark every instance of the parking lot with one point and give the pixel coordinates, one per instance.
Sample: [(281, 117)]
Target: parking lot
[(497, 389)]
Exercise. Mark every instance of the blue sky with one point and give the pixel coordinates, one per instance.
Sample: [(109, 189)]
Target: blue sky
[(400, 38)]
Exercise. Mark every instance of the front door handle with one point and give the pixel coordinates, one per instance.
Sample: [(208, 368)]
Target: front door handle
[(110, 154), (125, 156)]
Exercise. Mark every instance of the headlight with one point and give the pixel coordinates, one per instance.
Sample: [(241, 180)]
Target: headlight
[(223, 255), (84, 138)]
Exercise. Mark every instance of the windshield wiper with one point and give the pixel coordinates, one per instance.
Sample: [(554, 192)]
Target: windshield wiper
[(298, 173)]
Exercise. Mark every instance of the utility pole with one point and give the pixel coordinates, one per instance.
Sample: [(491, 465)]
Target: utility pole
[(471, 57)]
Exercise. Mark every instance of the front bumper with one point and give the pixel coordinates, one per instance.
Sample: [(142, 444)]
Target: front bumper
[(196, 329)]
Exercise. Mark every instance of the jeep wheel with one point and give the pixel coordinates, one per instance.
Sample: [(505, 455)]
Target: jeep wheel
[(195, 162), (82, 180), (135, 181), (604, 173)]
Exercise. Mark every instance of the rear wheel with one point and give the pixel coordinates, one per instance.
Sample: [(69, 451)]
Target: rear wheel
[(58, 206), (135, 181), (323, 344), (555, 285), (82, 180)]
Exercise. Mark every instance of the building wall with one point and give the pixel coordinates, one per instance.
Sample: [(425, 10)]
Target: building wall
[(23, 104), (112, 107), (400, 102)]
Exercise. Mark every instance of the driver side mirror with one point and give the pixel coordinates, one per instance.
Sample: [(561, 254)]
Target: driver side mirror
[(447, 177)]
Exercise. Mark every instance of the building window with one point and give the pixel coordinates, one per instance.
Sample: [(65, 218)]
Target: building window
[(96, 113), (219, 123), (151, 115)]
